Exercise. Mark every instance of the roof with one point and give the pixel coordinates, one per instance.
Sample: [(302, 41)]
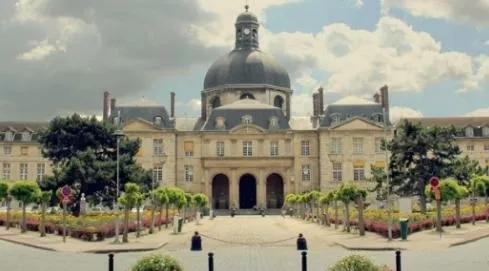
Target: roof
[(247, 17), (247, 104), (146, 113), (17, 128), (343, 112), (458, 122)]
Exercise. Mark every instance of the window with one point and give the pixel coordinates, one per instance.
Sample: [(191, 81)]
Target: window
[(23, 171), (220, 148), (220, 123), (26, 136), (158, 174), (335, 119), (24, 150), (485, 131), (247, 119), (306, 173), (377, 117), (337, 172), (378, 144), (273, 124), (158, 147), (41, 171), (274, 148), (470, 147), (247, 148), (305, 148), (188, 148), (189, 173), (357, 145), (6, 171), (157, 121), (7, 149), (358, 172), (9, 136), (469, 132), (486, 147), (335, 145), (247, 96)]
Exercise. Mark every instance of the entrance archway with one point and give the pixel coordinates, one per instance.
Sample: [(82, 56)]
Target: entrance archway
[(220, 192), (247, 191), (275, 191)]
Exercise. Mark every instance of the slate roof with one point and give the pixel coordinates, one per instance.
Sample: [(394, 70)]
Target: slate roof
[(233, 114), (371, 112), (19, 127), (458, 122), (145, 113)]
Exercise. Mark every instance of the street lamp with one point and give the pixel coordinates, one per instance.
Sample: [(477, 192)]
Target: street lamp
[(389, 209), (118, 135)]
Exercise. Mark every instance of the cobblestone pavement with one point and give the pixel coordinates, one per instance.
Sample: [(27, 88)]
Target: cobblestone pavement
[(259, 254)]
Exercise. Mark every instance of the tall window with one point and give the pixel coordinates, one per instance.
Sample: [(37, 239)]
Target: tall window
[(220, 148), (23, 171), (357, 145), (486, 147), (274, 148), (337, 172), (305, 148), (485, 131), (9, 136), (189, 173), (24, 150), (306, 172), (26, 136), (6, 171), (41, 171), (469, 132), (470, 147), (158, 148), (158, 174), (358, 172), (188, 148), (7, 149), (247, 148), (335, 145), (378, 144)]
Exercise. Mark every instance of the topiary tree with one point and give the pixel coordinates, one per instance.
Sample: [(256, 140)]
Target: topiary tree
[(478, 188), (157, 262), (26, 192), (347, 193), (128, 200), (4, 196), (189, 203), (462, 193), (154, 203), (355, 263), (326, 200), (161, 197), (291, 200), (44, 199)]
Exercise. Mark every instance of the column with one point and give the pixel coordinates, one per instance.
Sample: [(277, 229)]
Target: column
[(234, 187), (207, 185), (261, 190)]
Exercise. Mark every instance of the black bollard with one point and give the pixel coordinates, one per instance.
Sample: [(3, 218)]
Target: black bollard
[(398, 260), (196, 242), (111, 262), (304, 261), (211, 261), (301, 242)]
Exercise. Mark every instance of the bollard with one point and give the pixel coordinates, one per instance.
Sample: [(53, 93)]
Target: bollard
[(211, 261), (111, 262), (304, 261), (398, 260)]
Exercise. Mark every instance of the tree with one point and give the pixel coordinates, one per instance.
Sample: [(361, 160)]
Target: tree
[(477, 188), (291, 199), (4, 196), (348, 193), (464, 168), (481, 189), (162, 200), (128, 200), (83, 152), (44, 199), (200, 200), (26, 192), (379, 178), (419, 153), (326, 200)]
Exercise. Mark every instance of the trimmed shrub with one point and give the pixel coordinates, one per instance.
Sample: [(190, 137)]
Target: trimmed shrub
[(355, 263), (157, 262)]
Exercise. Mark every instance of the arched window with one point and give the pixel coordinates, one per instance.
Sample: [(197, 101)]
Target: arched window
[(278, 101), (215, 102), (247, 96), (157, 121)]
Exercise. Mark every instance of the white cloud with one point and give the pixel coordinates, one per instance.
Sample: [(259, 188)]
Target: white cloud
[(397, 112), (481, 112), (194, 105), (301, 105), (460, 10), (359, 3)]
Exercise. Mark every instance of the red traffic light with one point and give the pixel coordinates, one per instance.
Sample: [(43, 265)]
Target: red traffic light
[(434, 182)]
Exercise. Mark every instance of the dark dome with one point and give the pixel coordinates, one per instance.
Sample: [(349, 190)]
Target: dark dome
[(246, 67), (247, 17)]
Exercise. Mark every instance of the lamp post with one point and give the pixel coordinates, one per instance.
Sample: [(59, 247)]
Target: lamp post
[(389, 208), (118, 134)]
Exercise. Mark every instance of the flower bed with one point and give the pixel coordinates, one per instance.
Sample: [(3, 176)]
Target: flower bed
[(90, 227)]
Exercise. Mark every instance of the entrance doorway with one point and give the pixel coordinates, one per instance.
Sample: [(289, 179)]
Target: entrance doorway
[(275, 191), (247, 191), (220, 192)]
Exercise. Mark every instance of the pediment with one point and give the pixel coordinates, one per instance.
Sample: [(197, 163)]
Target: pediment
[(247, 129), (138, 125), (357, 124)]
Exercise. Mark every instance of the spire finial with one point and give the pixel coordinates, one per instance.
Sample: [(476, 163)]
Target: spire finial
[(247, 6)]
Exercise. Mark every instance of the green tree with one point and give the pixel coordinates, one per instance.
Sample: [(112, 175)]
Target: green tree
[(464, 168), (4, 196), (44, 200), (83, 152), (26, 192), (326, 200), (477, 188), (161, 196), (128, 200), (291, 200), (200, 200), (348, 193), (419, 153), (379, 178), (449, 190)]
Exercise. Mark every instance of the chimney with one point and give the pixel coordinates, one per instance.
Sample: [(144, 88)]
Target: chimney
[(112, 106), (105, 109), (321, 101), (315, 104), (384, 98), (172, 104), (377, 97), (287, 103), (203, 106)]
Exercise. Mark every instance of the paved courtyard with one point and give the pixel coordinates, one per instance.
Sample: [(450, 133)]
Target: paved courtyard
[(250, 243)]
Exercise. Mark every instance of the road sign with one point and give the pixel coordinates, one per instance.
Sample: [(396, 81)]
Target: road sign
[(66, 191), (434, 181)]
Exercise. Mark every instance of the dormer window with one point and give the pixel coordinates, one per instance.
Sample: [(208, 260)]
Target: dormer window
[(220, 123), (247, 96), (469, 132), (9, 136), (335, 119), (377, 117), (485, 131), (247, 119), (273, 124), (158, 121), (26, 136)]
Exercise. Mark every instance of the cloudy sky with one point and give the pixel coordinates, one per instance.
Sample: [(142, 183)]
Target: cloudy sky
[(58, 56)]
